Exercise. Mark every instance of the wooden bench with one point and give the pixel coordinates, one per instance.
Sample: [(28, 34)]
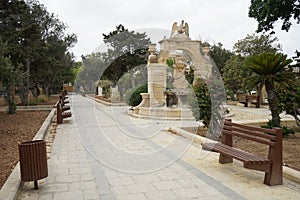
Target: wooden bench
[(271, 165), (62, 99), (60, 114), (253, 99)]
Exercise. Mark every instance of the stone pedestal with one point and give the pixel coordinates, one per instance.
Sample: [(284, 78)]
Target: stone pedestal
[(100, 91), (157, 83)]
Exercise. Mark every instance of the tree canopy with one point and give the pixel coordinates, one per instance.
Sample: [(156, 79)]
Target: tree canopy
[(128, 50), (123, 63), (256, 44), (267, 12), (219, 55), (37, 41), (268, 69), (234, 75)]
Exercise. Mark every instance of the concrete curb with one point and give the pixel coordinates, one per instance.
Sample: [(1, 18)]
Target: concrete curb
[(106, 103), (291, 174), (288, 173), (13, 185), (42, 107)]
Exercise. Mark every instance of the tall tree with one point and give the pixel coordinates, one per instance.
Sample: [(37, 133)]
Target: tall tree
[(219, 55), (37, 41), (234, 75), (256, 44), (267, 12), (9, 76), (267, 69), (288, 94), (129, 50), (92, 69)]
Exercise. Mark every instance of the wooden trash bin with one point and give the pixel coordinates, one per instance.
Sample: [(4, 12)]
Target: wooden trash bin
[(33, 161)]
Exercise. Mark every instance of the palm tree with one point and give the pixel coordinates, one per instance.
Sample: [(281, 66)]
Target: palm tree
[(267, 69)]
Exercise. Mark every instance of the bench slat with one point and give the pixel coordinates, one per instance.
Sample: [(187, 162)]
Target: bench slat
[(235, 153), (271, 131), (249, 132), (249, 137)]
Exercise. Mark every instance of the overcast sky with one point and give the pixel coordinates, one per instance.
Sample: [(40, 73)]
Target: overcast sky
[(224, 21)]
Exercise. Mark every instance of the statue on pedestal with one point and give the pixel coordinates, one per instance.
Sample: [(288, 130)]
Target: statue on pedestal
[(183, 28)]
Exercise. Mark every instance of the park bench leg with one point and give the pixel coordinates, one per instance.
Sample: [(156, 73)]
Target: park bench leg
[(223, 159), (275, 174), (274, 177)]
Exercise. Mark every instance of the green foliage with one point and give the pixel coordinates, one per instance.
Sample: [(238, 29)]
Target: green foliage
[(219, 55), (234, 75), (201, 105), (267, 12), (123, 64), (256, 44), (91, 70), (11, 106), (9, 76), (267, 69), (288, 99), (129, 50), (74, 72), (207, 103), (190, 76), (37, 42), (170, 62), (285, 130), (135, 98)]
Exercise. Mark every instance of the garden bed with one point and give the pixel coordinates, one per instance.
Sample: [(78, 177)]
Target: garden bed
[(14, 129)]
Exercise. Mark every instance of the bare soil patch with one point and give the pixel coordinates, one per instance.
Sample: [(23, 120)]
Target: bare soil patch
[(14, 129), (291, 147)]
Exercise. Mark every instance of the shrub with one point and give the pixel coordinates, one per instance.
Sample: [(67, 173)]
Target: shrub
[(207, 105), (201, 104), (285, 130), (135, 98)]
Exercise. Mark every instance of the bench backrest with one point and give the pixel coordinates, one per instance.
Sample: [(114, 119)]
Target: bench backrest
[(257, 134), (252, 97), (270, 137)]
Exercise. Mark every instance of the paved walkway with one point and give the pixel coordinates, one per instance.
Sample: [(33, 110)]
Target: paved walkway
[(102, 153)]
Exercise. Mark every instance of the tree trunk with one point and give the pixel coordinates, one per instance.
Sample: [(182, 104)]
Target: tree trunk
[(24, 95), (259, 93), (132, 79), (12, 92), (272, 102), (27, 85), (47, 90)]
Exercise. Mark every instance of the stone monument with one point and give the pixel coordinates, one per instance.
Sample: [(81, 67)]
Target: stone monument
[(154, 102)]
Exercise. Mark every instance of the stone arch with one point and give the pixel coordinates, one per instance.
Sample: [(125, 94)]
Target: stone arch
[(201, 62)]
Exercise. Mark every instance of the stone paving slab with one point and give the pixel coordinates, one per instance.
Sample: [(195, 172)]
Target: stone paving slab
[(101, 153)]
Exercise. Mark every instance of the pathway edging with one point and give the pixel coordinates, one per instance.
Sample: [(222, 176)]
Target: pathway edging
[(13, 185)]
